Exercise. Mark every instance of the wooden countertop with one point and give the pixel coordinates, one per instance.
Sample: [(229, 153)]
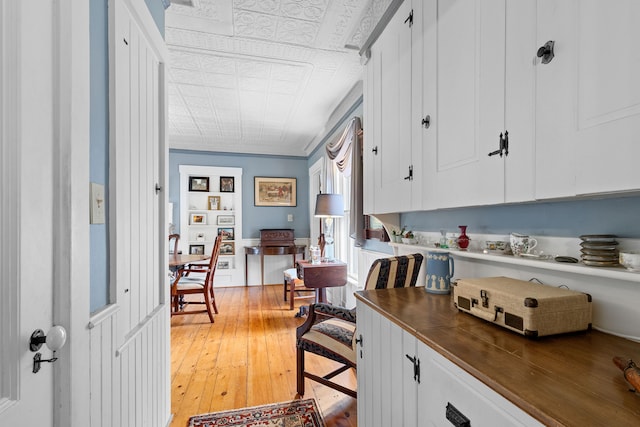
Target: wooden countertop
[(561, 380)]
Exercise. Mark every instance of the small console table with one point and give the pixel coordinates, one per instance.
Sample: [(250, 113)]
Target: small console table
[(273, 241)]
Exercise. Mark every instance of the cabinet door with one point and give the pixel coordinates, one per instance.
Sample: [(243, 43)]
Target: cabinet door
[(369, 139), (365, 373), (588, 98), (386, 388), (520, 52), (470, 109), (555, 92), (391, 59), (445, 383), (424, 101)]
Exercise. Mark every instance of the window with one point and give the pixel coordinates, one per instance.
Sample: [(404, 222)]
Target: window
[(345, 245)]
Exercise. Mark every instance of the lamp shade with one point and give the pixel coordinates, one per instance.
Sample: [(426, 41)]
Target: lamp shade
[(329, 205)]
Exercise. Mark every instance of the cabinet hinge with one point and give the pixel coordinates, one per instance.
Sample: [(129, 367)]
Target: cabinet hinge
[(410, 176), (416, 367), (409, 19), (503, 145)]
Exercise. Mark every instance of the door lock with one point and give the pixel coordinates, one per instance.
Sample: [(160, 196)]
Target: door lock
[(55, 340)]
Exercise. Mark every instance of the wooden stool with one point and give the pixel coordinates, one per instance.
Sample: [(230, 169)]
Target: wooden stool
[(292, 285)]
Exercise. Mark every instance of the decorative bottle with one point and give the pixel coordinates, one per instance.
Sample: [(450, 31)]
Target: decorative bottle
[(463, 239)]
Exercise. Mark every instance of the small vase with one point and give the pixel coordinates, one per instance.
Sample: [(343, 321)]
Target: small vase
[(463, 239)]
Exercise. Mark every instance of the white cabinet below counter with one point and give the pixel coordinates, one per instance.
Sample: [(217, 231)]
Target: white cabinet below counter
[(419, 358)]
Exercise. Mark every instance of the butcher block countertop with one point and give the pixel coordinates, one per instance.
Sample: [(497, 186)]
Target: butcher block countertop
[(562, 380)]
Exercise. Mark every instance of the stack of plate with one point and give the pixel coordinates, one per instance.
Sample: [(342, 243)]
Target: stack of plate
[(599, 250)]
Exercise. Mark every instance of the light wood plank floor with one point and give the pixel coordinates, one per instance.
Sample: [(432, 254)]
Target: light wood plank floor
[(247, 358)]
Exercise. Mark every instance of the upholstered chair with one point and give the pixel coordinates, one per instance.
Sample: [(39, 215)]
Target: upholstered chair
[(329, 331)]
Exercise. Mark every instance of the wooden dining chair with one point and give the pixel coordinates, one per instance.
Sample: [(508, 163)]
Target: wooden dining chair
[(196, 279), (330, 331), (173, 243)]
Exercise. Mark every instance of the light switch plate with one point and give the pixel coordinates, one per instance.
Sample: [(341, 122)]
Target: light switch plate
[(97, 207), (290, 217)]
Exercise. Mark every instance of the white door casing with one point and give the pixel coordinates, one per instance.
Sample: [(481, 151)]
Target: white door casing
[(44, 145)]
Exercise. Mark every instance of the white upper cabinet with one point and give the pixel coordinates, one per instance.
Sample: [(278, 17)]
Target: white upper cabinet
[(481, 140), (443, 93), (588, 98), (470, 59), (388, 150)]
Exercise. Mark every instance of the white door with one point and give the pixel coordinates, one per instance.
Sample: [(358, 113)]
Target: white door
[(42, 193)]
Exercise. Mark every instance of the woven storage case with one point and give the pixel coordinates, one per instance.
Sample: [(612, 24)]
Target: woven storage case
[(528, 308)]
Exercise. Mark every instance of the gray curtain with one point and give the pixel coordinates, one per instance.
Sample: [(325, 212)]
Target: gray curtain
[(346, 152)]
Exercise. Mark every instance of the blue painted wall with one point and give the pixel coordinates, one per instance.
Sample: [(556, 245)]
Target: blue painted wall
[(253, 217), (573, 218), (156, 8), (99, 138)]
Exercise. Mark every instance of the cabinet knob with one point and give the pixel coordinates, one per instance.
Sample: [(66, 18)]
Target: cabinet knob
[(374, 150), (426, 122), (546, 52), (359, 340)]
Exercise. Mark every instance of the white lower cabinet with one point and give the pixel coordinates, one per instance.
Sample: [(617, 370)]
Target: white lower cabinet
[(404, 382), (446, 392)]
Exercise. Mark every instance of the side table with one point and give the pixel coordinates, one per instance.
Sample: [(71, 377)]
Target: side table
[(327, 274)]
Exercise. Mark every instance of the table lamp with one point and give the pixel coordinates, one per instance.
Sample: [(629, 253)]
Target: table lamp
[(328, 206)]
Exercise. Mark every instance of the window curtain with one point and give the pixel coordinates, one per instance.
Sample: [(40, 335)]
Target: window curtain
[(346, 152)]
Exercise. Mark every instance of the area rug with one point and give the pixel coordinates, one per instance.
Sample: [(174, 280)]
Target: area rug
[(297, 413)]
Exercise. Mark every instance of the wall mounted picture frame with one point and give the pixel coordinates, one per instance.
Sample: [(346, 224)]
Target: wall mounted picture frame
[(227, 184), (224, 265), (198, 219), (196, 249), (273, 191), (214, 203), (199, 183), (226, 220), (227, 233), (227, 248)]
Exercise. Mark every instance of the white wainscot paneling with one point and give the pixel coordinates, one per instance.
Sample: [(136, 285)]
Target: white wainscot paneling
[(130, 382)]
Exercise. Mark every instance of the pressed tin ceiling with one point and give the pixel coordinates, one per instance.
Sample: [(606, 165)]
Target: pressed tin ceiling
[(262, 76)]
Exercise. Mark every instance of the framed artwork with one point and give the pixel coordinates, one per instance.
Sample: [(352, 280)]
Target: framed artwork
[(227, 233), (214, 203), (271, 191), (226, 220), (227, 184), (227, 248), (198, 218), (198, 183), (196, 249), (224, 265)]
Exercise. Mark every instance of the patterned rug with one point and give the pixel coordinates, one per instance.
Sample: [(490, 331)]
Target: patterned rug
[(297, 413)]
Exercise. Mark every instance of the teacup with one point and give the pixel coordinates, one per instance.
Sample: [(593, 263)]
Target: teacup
[(521, 243)]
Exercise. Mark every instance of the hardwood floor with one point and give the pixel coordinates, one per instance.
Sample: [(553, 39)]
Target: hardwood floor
[(247, 358)]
